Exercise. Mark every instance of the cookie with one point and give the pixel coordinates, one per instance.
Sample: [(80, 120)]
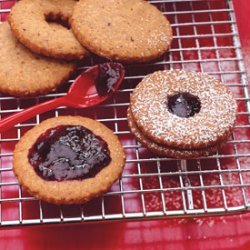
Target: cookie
[(32, 23), (184, 110), (68, 160), (123, 30), (167, 151), (23, 73)]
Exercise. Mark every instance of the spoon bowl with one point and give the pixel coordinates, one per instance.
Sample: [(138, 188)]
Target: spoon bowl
[(95, 85), (90, 88)]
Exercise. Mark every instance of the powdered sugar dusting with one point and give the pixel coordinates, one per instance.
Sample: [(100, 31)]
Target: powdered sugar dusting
[(211, 125), (163, 150), (159, 39)]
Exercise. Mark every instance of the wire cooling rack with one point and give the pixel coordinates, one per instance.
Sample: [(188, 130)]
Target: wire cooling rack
[(205, 39)]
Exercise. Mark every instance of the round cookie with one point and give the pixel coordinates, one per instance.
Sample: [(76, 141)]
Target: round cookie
[(23, 73), (167, 151), (28, 21), (123, 30), (208, 127), (68, 191)]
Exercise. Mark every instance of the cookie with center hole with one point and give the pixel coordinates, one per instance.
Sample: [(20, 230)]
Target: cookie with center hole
[(23, 73), (68, 160), (122, 30), (43, 27), (183, 110)]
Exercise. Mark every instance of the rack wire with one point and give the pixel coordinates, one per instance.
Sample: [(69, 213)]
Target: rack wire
[(205, 39)]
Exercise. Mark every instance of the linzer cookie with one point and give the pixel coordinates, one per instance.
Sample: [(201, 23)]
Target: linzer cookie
[(181, 114), (34, 23), (168, 151), (68, 160), (23, 73), (123, 30)]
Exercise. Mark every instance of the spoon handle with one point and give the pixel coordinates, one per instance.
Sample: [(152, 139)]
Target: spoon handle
[(26, 114)]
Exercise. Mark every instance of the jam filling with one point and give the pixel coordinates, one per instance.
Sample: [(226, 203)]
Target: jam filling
[(69, 153), (184, 104), (108, 75)]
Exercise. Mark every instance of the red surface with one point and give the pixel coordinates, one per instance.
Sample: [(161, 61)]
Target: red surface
[(74, 98), (230, 232), (242, 9)]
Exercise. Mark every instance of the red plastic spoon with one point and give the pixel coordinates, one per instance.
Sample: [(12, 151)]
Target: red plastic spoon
[(90, 88)]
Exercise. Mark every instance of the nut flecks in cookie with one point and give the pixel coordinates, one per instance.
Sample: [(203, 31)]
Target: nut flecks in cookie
[(123, 30), (30, 21), (22, 73), (68, 191), (210, 126)]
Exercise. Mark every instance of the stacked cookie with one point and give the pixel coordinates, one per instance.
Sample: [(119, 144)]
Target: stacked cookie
[(36, 25), (181, 114), (46, 38)]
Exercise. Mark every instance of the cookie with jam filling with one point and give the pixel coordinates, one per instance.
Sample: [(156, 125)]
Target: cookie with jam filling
[(68, 160), (182, 114), (168, 151)]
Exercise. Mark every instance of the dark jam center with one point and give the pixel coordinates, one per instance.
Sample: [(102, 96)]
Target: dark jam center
[(69, 153), (108, 76), (184, 104)]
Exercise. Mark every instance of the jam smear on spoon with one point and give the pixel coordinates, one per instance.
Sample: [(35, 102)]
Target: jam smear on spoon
[(108, 75)]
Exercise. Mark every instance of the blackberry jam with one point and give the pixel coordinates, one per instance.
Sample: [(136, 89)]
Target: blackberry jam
[(69, 153), (108, 76), (184, 104)]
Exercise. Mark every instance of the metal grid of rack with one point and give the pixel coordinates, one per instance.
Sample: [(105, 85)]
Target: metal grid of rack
[(205, 39)]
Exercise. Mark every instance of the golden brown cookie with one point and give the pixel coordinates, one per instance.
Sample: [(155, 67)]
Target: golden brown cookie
[(30, 22), (123, 30), (184, 110), (167, 151), (23, 73), (68, 160)]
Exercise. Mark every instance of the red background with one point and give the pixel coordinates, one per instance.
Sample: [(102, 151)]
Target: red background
[(230, 232)]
